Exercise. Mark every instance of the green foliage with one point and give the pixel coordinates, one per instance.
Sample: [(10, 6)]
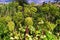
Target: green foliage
[(54, 10), (33, 9), (29, 10), (26, 10), (58, 21), (11, 26), (51, 26), (18, 17), (42, 22), (19, 8), (8, 18), (50, 36), (32, 29), (2, 28), (28, 21), (44, 9)]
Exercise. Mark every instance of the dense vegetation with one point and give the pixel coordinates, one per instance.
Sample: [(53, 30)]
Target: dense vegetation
[(31, 22)]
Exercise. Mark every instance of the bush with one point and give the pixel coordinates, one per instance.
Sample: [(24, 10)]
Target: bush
[(29, 22)]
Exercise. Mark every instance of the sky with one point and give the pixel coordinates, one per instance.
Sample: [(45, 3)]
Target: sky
[(39, 1), (29, 1), (5, 1)]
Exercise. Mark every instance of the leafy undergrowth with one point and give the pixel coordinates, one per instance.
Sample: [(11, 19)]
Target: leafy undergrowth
[(29, 22)]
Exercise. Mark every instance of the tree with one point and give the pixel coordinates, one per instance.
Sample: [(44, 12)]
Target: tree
[(21, 2)]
